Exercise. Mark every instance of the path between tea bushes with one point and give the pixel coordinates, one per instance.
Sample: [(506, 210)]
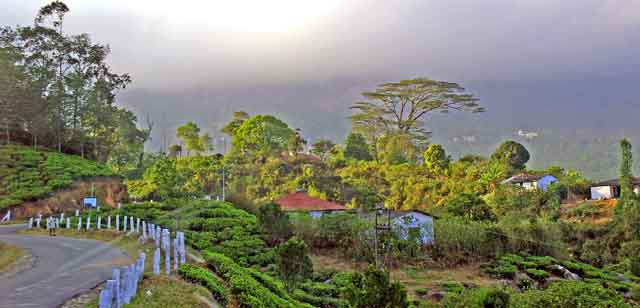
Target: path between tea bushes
[(62, 268)]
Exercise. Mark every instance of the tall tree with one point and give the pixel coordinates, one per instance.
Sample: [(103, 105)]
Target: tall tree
[(513, 153), (73, 81), (262, 135), (293, 262), (189, 134), (238, 118), (626, 163), (402, 106), (322, 147), (435, 159), (356, 147)]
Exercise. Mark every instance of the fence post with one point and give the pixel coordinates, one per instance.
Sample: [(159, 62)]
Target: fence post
[(156, 262), (116, 288), (79, 223), (117, 222)]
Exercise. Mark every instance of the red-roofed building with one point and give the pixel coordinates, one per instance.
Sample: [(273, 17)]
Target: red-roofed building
[(302, 202)]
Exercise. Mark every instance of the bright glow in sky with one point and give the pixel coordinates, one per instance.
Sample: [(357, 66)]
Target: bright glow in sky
[(240, 16)]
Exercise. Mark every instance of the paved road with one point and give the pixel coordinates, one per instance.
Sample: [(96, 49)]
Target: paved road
[(63, 268)]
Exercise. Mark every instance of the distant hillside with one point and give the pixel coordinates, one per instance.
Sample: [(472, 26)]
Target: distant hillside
[(594, 154), (27, 174)]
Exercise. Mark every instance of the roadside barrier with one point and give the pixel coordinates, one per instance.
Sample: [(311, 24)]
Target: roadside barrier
[(123, 285)]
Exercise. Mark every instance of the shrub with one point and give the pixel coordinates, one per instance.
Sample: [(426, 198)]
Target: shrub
[(205, 278), (478, 298), (634, 293), (248, 290), (372, 289), (634, 265), (452, 287), (537, 274), (563, 294), (294, 264)]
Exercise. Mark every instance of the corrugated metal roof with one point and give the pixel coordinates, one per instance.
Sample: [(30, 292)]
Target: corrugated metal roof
[(302, 202)]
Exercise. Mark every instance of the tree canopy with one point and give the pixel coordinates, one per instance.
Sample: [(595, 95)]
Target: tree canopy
[(513, 153)]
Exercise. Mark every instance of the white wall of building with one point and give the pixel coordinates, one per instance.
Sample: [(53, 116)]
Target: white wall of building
[(600, 192)]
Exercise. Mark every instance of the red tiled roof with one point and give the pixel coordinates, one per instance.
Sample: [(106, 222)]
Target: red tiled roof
[(300, 201)]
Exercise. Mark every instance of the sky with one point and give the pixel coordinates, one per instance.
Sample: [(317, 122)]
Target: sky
[(535, 64)]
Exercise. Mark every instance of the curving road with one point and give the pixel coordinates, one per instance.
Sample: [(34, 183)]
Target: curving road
[(62, 268)]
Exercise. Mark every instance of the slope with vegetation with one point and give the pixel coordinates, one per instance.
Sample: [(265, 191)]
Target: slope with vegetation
[(27, 174)]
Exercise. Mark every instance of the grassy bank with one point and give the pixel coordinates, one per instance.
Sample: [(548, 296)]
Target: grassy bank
[(9, 255)]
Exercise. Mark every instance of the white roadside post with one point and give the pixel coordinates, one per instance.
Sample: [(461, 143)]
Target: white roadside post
[(61, 216), (183, 252), (167, 252), (77, 213), (88, 222), (68, 223), (117, 222), (116, 288), (109, 222), (30, 223), (79, 222), (137, 225), (156, 262), (38, 222), (99, 222), (125, 224), (144, 230)]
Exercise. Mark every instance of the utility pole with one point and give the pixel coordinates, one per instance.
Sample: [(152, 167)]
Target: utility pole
[(380, 229)]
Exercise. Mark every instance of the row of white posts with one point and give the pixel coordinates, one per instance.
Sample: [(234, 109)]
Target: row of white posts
[(6, 217), (123, 286)]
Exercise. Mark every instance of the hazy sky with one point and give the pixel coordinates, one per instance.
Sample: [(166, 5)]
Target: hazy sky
[(534, 63)]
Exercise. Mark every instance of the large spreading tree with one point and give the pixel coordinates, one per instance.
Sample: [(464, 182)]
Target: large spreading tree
[(401, 107)]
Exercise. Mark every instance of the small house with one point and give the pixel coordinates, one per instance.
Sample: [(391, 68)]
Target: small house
[(531, 181), (611, 189), (406, 222), (300, 201)]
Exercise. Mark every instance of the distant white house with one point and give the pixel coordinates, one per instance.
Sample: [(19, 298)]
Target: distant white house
[(611, 189), (531, 181), (406, 222)]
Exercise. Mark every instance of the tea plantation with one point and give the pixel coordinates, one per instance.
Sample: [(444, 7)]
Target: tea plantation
[(27, 174)]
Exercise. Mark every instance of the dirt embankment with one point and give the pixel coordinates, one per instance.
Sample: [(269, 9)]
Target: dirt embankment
[(109, 192)]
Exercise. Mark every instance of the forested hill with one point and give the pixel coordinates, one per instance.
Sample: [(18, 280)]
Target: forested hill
[(595, 155), (27, 174)]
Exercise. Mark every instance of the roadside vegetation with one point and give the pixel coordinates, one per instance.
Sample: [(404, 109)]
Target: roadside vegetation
[(28, 174), (9, 256)]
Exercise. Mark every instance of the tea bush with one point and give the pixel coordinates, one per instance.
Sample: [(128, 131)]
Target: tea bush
[(205, 278)]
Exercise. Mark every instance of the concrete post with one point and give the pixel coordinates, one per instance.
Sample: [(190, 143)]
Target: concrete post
[(99, 222), (125, 224), (88, 222), (167, 252), (183, 252), (30, 223), (109, 222), (68, 222), (117, 222), (116, 288), (156, 262), (138, 225), (79, 222)]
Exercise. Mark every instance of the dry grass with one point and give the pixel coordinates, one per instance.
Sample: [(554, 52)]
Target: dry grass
[(9, 255), (602, 217), (162, 291)]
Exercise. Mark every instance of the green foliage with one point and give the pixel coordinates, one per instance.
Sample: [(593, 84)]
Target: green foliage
[(469, 206), (249, 292), (372, 289), (27, 174), (396, 148), (478, 298), (515, 154), (262, 135), (356, 147), (177, 177), (238, 118), (189, 134), (202, 276), (274, 223), (436, 159), (322, 147), (452, 287), (569, 294), (293, 262), (400, 107), (634, 264), (537, 274)]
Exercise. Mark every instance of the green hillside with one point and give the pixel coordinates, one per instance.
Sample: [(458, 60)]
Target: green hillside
[(27, 174)]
